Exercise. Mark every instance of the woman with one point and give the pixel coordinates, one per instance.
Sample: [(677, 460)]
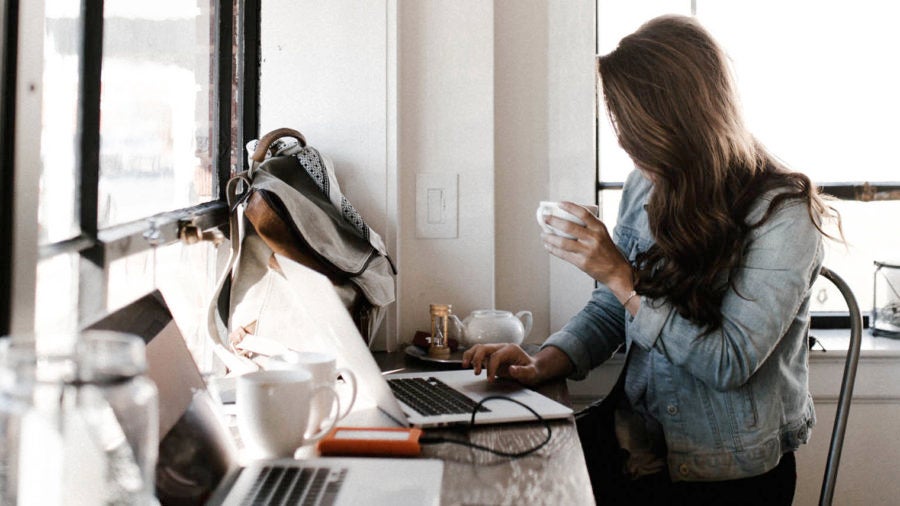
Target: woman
[(706, 280)]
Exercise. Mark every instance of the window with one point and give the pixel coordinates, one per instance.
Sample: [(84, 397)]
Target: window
[(144, 108), (818, 87), (7, 102)]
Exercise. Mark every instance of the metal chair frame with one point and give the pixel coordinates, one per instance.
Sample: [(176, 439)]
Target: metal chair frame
[(846, 395)]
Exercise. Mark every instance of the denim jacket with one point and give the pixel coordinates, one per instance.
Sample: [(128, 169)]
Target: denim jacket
[(731, 402)]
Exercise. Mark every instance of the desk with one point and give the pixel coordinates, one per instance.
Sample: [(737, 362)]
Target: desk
[(555, 475)]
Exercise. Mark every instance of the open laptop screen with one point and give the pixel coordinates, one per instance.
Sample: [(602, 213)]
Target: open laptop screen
[(195, 449)]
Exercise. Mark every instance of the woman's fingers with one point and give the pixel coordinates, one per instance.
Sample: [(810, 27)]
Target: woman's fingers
[(525, 374), (495, 359), (499, 361), (593, 250), (475, 356), (566, 226), (580, 211)]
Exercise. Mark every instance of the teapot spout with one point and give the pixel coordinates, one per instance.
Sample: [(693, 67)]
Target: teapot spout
[(456, 329)]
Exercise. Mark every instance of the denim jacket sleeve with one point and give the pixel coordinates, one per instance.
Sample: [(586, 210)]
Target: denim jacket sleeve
[(593, 335), (783, 258)]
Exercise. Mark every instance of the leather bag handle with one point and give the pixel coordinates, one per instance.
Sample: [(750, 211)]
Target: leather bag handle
[(259, 154)]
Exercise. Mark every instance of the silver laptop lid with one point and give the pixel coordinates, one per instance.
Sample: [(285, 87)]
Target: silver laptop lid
[(322, 323), (196, 450)]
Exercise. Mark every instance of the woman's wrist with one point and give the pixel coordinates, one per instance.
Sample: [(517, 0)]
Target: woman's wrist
[(551, 362), (622, 285)]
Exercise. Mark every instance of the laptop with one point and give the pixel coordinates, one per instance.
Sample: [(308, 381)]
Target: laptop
[(198, 457), (323, 324)]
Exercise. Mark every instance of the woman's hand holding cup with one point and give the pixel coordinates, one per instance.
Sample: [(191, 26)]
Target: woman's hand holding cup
[(577, 236)]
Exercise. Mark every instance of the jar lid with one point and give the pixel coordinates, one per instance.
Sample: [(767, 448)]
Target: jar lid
[(894, 264), (96, 356)]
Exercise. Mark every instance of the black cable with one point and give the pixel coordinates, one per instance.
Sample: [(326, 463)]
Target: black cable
[(512, 455)]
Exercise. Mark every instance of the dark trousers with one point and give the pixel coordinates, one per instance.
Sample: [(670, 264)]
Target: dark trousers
[(774, 488)]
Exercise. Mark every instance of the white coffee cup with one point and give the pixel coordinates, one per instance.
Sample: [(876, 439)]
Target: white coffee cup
[(274, 411), (324, 370), (549, 208)]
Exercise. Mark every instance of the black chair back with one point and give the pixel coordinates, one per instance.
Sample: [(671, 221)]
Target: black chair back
[(846, 395)]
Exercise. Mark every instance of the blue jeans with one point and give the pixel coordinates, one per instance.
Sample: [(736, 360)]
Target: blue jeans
[(774, 488)]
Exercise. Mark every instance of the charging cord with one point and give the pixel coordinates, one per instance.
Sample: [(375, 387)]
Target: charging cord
[(512, 455)]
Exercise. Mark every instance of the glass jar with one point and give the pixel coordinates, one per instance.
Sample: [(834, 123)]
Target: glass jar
[(886, 297), (78, 423)]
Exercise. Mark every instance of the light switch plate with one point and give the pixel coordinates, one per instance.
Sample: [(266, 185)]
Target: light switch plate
[(437, 203)]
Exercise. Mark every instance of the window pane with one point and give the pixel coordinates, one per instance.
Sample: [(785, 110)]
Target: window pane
[(616, 19), (58, 193), (819, 86), (791, 80), (185, 274), (56, 294), (609, 207), (156, 115), (870, 229), (794, 81)]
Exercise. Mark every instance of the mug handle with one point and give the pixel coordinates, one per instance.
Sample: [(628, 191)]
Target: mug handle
[(527, 321), (336, 409), (348, 376), (541, 212)]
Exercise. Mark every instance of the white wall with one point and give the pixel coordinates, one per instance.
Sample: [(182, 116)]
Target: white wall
[(446, 125), (499, 93), (571, 136), (325, 69), (522, 157)]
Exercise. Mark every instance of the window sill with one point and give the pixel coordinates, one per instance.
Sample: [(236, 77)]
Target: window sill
[(836, 340)]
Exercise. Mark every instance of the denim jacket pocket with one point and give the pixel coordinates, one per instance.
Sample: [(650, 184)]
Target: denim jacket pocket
[(745, 406)]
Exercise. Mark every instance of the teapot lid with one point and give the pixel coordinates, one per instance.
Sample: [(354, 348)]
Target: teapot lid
[(490, 312)]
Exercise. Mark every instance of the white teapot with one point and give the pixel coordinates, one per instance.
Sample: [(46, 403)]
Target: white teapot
[(494, 326)]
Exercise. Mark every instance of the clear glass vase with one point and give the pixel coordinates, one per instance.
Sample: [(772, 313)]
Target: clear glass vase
[(78, 422)]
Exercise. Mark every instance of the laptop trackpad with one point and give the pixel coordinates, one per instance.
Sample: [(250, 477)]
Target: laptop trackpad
[(478, 386)]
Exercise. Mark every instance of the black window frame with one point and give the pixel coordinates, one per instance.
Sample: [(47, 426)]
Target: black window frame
[(98, 247), (9, 32)]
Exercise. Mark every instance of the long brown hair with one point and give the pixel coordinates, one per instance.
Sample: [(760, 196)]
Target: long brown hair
[(671, 98)]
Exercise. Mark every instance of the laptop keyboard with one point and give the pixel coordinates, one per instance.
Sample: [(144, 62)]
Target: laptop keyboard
[(431, 396), (296, 485)]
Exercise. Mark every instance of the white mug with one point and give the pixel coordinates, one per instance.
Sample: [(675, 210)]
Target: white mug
[(550, 208), (274, 411), (324, 370)]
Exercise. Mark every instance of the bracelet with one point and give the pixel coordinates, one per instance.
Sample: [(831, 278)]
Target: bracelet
[(628, 299)]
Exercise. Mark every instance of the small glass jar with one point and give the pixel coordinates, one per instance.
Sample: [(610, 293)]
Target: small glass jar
[(886, 300), (78, 424)]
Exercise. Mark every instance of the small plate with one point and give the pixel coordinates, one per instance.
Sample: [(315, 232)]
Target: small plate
[(454, 358)]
